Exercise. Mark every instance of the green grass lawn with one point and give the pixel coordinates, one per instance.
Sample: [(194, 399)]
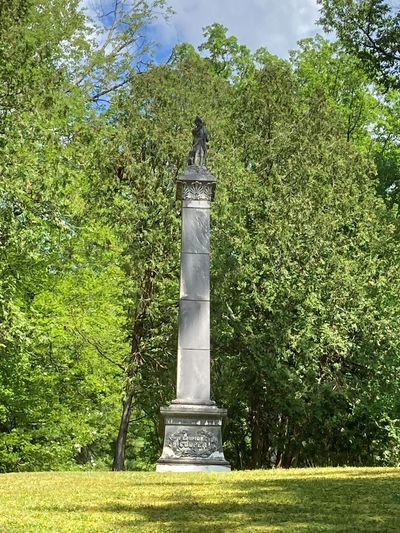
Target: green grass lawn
[(329, 499)]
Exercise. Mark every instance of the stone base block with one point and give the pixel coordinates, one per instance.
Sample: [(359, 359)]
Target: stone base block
[(192, 468), (192, 439)]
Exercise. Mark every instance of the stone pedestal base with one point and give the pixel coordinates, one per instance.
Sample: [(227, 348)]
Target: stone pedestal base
[(192, 439)]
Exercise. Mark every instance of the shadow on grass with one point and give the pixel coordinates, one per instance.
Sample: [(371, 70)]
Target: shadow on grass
[(299, 504)]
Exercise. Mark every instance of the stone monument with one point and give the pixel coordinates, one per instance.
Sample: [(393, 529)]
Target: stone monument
[(192, 422)]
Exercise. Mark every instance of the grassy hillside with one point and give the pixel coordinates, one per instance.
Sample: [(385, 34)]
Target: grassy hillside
[(350, 499)]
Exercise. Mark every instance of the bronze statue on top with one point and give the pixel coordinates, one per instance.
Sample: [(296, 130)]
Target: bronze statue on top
[(198, 153)]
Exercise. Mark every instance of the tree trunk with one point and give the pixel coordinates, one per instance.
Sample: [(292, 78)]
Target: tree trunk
[(133, 366), (119, 456), (256, 437)]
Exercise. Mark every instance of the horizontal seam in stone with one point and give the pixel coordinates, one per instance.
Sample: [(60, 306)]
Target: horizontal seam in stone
[(194, 299), (196, 253), (197, 349)]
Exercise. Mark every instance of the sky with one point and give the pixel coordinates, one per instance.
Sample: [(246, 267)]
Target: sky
[(274, 24)]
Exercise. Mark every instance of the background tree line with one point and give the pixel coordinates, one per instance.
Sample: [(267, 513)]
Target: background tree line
[(305, 253)]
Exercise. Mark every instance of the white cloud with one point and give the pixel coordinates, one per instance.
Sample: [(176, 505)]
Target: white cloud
[(274, 24)]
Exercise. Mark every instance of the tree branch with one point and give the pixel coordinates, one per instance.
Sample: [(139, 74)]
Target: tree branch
[(96, 346)]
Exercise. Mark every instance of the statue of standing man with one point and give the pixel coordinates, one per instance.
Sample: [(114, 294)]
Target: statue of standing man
[(198, 153)]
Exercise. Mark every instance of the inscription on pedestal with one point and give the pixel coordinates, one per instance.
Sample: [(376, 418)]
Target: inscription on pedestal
[(192, 422), (201, 443)]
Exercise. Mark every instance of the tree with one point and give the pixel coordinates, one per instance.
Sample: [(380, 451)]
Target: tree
[(370, 116), (325, 67), (370, 29), (228, 58), (60, 352), (117, 46), (304, 256)]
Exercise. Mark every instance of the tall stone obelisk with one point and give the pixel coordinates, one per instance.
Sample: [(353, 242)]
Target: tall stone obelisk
[(192, 422)]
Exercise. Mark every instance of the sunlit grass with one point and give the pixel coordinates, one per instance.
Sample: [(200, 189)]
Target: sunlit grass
[(351, 499)]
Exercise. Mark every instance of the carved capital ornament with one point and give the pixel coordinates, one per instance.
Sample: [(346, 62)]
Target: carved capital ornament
[(196, 190)]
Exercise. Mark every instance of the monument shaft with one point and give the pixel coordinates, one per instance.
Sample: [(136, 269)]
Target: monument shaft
[(193, 379)]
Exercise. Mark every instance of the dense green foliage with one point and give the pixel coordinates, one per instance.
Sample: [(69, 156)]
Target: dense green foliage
[(371, 30), (306, 287)]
